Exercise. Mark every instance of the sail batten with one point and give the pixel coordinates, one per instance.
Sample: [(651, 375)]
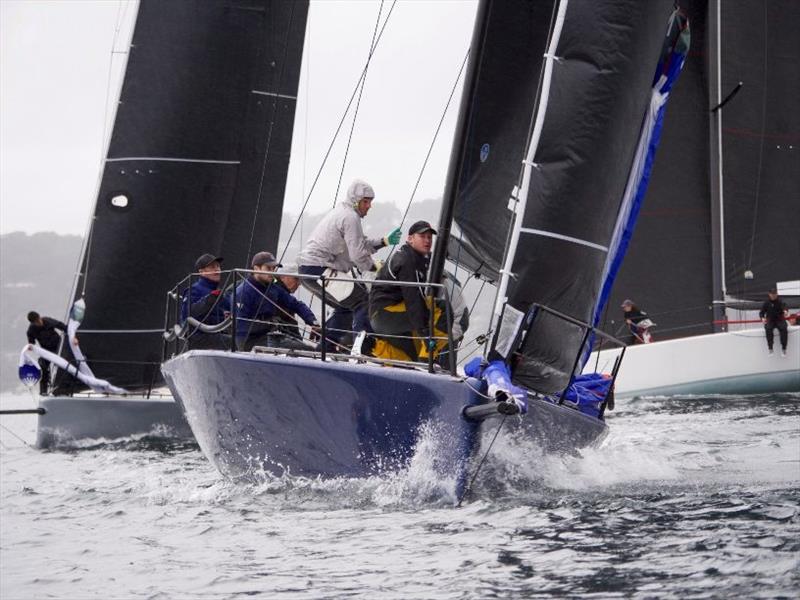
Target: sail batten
[(172, 159), (565, 238)]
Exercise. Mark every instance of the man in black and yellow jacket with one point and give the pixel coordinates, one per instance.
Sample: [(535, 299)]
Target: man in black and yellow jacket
[(404, 310)]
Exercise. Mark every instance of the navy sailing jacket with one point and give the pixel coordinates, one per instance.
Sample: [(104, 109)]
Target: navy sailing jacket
[(266, 302), (203, 304)]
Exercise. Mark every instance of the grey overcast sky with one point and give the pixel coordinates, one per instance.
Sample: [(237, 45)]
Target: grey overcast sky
[(59, 80)]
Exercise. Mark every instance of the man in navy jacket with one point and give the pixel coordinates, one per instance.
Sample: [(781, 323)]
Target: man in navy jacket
[(774, 313), (263, 306), (206, 303)]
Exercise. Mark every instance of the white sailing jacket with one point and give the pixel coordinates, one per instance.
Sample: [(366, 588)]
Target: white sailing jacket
[(338, 242)]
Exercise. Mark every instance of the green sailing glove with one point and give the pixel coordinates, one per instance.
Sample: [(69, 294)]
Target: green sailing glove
[(393, 238)]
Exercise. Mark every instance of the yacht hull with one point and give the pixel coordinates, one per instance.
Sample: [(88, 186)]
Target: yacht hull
[(70, 420), (261, 413), (735, 363)]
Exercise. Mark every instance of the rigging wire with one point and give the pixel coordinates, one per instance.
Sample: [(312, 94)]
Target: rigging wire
[(358, 102), (761, 146), (333, 139), (14, 434), (468, 489), (433, 141), (269, 133)]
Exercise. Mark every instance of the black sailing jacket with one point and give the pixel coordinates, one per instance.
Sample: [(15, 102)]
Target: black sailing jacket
[(46, 334), (773, 310), (404, 265)]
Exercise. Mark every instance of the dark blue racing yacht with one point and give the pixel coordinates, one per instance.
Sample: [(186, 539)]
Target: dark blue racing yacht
[(560, 117)]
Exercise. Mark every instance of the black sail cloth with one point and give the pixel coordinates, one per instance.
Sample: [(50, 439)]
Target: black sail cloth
[(600, 87), (508, 51), (197, 163), (669, 266)]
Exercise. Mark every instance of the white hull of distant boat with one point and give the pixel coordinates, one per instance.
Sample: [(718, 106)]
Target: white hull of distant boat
[(719, 363)]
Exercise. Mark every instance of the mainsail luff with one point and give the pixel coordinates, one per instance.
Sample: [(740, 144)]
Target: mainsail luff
[(201, 137)]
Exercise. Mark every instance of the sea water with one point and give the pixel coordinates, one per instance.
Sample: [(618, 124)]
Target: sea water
[(686, 497)]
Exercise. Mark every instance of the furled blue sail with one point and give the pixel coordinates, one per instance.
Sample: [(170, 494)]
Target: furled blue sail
[(673, 56)]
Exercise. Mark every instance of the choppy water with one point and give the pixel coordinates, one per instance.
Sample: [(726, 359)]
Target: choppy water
[(694, 497)]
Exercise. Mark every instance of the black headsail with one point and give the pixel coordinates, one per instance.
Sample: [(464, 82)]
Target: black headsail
[(581, 95), (197, 163)]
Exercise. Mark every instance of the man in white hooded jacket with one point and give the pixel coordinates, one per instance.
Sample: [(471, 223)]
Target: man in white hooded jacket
[(338, 243)]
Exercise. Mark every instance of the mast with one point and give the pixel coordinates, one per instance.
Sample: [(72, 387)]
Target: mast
[(459, 147), (715, 163)]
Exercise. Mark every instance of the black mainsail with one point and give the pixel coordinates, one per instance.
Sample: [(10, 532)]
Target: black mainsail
[(581, 94), (718, 219), (196, 163), (505, 63), (760, 144)]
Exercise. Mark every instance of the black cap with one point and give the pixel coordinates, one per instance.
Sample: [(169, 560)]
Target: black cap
[(264, 258), (205, 260), (421, 227), (773, 291)]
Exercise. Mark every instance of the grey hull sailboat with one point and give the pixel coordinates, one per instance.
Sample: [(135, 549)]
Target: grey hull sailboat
[(196, 163), (558, 123)]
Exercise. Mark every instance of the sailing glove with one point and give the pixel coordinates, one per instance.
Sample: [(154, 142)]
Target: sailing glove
[(393, 238)]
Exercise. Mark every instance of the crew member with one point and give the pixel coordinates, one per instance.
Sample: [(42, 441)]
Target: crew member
[(265, 307), (403, 311), (638, 322), (206, 303), (287, 320), (44, 331), (774, 313), (338, 246)]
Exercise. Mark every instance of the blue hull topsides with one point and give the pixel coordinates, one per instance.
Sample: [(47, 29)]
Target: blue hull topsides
[(254, 413)]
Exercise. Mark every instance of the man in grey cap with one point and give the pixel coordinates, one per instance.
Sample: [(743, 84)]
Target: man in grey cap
[(338, 246), (264, 306)]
